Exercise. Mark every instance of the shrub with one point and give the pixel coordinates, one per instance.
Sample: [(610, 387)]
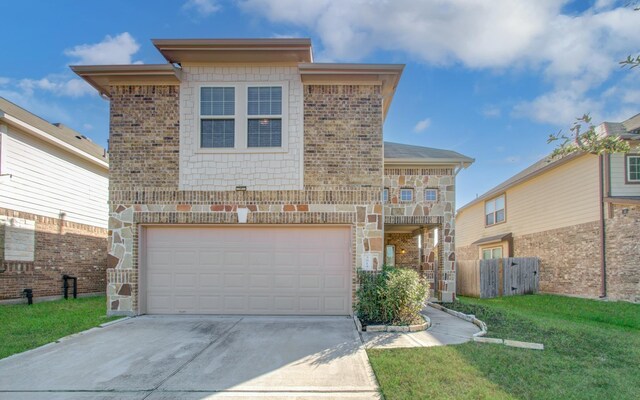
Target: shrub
[(393, 296)]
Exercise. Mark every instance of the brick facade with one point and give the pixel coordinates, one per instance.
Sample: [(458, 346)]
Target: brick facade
[(61, 247), (623, 252), (329, 196), (569, 258)]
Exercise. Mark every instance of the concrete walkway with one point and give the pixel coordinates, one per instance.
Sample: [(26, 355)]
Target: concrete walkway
[(445, 329)]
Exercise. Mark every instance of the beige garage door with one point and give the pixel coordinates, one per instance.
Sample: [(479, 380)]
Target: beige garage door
[(248, 270)]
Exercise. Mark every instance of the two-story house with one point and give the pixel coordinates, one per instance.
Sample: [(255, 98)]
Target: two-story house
[(579, 214), (53, 207), (247, 179)]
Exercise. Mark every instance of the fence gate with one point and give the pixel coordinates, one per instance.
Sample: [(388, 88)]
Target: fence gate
[(498, 277)]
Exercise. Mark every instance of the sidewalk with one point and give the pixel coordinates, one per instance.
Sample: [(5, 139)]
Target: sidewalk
[(445, 329)]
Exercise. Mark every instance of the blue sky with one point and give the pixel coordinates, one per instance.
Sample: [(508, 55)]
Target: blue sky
[(488, 78)]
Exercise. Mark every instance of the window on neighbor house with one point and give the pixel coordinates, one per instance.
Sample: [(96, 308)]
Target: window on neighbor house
[(217, 117), (633, 168), (494, 211), (494, 252), (406, 194), (264, 111), (385, 195), (431, 195)]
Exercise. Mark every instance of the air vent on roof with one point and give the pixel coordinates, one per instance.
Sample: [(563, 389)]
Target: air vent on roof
[(79, 137)]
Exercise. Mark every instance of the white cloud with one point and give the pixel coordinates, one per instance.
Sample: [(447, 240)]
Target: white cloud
[(560, 108), (491, 111), (422, 125), (4, 81), (60, 87), (111, 50), (87, 127), (202, 7), (574, 52)]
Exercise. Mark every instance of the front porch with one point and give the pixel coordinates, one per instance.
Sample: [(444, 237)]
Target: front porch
[(422, 247)]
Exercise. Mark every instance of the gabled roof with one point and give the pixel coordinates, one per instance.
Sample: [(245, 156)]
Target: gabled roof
[(629, 129), (407, 154), (57, 134)]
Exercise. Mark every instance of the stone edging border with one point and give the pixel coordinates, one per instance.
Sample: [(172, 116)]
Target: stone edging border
[(394, 328), (470, 318), (478, 337), (65, 338)]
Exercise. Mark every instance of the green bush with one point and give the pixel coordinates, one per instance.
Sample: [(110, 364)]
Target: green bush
[(393, 296)]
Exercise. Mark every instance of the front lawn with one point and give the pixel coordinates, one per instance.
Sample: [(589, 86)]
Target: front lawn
[(24, 327), (592, 351)]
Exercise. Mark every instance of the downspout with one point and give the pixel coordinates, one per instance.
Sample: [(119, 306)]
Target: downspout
[(603, 255)]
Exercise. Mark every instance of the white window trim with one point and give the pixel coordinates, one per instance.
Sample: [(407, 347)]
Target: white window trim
[(400, 195), (628, 163), (495, 211), (425, 195), (491, 249), (385, 190), (241, 118)]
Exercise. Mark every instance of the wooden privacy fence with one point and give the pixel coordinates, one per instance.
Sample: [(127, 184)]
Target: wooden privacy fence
[(498, 277)]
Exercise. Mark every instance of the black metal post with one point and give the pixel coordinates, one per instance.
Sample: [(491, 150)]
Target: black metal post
[(28, 293), (65, 286)]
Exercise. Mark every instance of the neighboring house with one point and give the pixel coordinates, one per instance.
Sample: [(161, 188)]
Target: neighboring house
[(579, 214), (53, 206), (247, 179)]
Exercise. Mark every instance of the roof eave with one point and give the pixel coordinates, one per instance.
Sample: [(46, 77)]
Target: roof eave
[(103, 76), (465, 162)]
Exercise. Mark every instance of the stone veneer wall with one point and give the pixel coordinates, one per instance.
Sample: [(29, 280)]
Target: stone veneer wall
[(330, 195), (61, 247), (623, 252), (439, 213), (569, 258)]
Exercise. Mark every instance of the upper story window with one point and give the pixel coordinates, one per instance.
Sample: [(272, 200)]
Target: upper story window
[(431, 195), (406, 194), (265, 116), (385, 195), (217, 117), (633, 168), (494, 211), (243, 116)]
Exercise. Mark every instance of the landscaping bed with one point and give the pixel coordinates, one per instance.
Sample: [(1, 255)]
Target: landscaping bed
[(25, 327), (591, 351)]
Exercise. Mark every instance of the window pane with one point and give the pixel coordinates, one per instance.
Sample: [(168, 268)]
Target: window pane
[(430, 195), (633, 165), (216, 133), (489, 219), (264, 133), (489, 207), (264, 100), (385, 195), (497, 252), (406, 194), (486, 254), (499, 216), (217, 101), (500, 203)]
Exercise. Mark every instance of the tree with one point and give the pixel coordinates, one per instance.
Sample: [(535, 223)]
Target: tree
[(588, 141)]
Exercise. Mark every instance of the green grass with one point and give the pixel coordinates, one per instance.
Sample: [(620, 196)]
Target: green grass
[(25, 327), (592, 351)]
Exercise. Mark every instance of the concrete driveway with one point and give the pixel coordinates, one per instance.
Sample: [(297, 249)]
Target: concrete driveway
[(201, 357)]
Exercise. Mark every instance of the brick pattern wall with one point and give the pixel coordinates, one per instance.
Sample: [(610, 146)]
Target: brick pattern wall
[(569, 258), (343, 135), (330, 195), (623, 252), (61, 247), (408, 243), (143, 139)]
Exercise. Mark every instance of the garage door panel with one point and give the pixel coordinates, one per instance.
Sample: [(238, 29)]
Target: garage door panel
[(249, 270)]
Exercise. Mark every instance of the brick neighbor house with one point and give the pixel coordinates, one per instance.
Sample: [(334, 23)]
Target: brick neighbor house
[(53, 207), (247, 179), (579, 214)]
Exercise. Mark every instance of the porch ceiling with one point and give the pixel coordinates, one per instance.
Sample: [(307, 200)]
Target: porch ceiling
[(397, 228)]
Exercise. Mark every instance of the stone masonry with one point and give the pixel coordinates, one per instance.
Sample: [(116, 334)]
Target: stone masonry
[(143, 192), (623, 252), (429, 214), (60, 247)]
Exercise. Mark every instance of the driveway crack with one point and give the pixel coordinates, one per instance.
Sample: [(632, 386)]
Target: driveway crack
[(190, 360)]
